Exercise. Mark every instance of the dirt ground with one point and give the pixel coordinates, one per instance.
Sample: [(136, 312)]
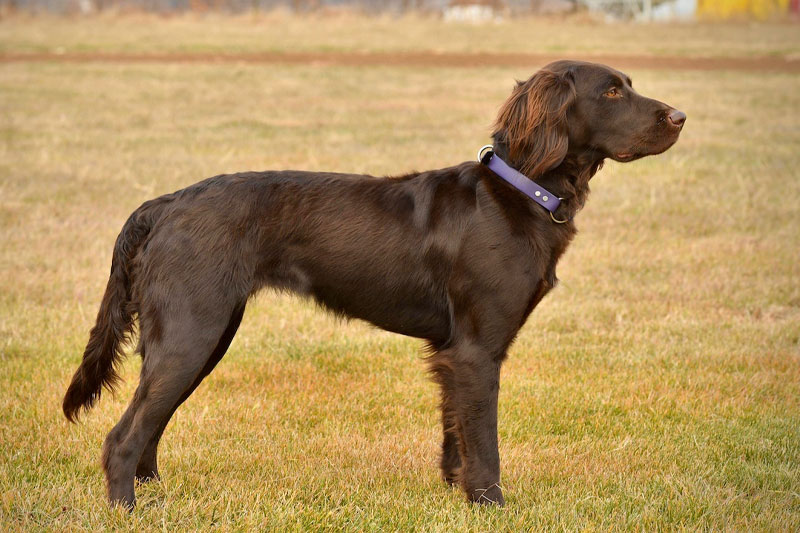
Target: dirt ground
[(422, 59)]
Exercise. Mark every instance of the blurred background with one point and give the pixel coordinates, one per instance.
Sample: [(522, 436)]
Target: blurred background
[(471, 10)]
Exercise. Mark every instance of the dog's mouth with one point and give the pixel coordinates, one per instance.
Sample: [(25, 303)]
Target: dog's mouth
[(655, 147), (627, 157), (655, 140)]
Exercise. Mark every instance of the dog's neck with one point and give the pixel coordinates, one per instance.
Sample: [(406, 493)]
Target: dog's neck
[(569, 180)]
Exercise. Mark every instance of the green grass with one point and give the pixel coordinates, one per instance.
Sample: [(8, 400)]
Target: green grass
[(657, 388)]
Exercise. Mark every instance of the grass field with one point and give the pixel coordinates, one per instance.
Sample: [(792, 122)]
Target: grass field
[(347, 32), (665, 397)]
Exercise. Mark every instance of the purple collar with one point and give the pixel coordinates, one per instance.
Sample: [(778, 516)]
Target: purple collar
[(520, 181)]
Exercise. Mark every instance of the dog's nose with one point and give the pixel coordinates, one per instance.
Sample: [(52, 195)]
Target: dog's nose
[(677, 117)]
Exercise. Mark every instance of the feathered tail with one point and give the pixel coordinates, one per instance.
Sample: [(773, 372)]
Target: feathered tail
[(114, 321)]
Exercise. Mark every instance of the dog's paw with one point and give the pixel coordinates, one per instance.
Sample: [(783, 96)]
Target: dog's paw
[(491, 495)]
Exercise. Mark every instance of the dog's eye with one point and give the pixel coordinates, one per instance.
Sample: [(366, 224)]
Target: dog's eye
[(613, 93)]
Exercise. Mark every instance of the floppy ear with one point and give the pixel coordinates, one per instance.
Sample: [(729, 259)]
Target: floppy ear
[(533, 122)]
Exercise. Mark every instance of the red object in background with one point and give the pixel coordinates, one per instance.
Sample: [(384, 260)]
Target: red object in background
[(794, 7)]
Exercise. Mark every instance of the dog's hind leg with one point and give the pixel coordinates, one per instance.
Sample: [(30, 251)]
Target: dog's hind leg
[(147, 469), (172, 366)]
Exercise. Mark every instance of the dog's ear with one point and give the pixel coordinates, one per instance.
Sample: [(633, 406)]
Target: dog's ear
[(533, 122)]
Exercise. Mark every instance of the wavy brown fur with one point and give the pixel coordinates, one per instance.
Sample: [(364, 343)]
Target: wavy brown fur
[(112, 329), (533, 122)]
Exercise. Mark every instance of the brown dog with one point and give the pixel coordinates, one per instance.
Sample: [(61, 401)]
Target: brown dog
[(458, 257)]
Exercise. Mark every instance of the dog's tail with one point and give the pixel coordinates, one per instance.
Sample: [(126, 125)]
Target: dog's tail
[(114, 323)]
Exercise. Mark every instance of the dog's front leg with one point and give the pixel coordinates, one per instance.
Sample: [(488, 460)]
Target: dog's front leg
[(469, 377), (450, 462)]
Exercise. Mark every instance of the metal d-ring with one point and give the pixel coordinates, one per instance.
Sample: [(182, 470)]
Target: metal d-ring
[(482, 150), (555, 219)]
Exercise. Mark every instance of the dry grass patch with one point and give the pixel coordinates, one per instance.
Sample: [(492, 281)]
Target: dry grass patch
[(657, 388), (281, 31)]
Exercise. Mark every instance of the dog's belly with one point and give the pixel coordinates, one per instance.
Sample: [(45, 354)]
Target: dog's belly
[(418, 319), (391, 291)]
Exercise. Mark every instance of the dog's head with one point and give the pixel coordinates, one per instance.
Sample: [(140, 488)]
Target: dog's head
[(585, 109)]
